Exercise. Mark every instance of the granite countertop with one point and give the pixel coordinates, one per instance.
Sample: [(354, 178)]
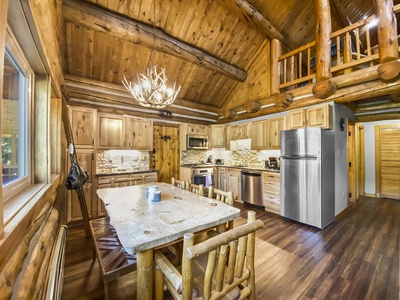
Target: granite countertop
[(234, 167), (120, 172)]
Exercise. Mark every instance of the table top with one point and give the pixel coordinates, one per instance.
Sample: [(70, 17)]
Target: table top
[(142, 224)]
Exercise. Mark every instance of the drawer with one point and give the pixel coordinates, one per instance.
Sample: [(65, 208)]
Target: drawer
[(272, 197), (270, 205), (271, 185), (271, 177)]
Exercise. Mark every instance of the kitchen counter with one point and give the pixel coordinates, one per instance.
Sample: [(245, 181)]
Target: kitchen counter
[(119, 172), (232, 166)]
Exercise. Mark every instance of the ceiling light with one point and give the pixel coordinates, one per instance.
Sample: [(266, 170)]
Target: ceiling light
[(151, 90)]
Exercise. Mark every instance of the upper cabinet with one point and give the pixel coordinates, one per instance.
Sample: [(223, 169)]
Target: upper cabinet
[(111, 131), (197, 129), (83, 124), (218, 136), (259, 135), (139, 133), (316, 116), (275, 126), (240, 131)]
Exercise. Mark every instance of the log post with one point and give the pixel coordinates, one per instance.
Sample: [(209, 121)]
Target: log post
[(387, 30), (324, 89), (229, 113), (276, 51), (282, 100), (323, 40)]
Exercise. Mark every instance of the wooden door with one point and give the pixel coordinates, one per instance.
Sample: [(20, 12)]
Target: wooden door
[(387, 150), (259, 135), (296, 119), (360, 161), (276, 125), (165, 155), (352, 166), (83, 124)]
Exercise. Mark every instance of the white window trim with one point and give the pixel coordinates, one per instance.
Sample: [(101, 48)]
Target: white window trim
[(13, 188)]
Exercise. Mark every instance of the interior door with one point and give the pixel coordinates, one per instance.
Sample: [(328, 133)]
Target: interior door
[(387, 151), (165, 155), (352, 164), (360, 161)]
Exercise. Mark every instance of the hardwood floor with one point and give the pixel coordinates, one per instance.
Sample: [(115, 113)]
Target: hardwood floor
[(356, 257)]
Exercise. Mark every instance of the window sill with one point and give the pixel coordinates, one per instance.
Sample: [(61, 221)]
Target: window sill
[(30, 195)]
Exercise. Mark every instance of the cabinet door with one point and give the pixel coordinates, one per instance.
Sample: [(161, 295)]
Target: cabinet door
[(139, 134), (74, 208), (233, 183), (259, 135), (111, 131), (276, 125), (197, 129), (296, 119), (83, 122), (244, 131), (319, 116), (234, 132), (185, 174), (218, 136)]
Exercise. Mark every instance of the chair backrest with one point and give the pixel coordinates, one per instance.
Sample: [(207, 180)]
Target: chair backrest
[(178, 183), (230, 264), (220, 195), (127, 181), (195, 188)]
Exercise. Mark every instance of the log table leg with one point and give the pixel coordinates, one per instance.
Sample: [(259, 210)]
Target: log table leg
[(145, 275)]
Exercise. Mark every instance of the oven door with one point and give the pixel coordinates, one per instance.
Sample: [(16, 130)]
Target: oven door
[(205, 179)]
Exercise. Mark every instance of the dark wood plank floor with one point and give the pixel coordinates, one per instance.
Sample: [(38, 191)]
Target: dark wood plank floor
[(356, 257)]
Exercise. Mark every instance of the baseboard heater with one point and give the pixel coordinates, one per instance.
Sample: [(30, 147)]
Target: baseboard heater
[(56, 274)]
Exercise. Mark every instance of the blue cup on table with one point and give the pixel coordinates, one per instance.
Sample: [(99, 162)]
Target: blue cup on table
[(156, 196), (150, 190)]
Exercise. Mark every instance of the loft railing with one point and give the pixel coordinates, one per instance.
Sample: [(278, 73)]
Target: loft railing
[(351, 49)]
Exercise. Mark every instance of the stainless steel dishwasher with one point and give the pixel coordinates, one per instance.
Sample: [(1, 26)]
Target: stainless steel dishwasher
[(251, 187)]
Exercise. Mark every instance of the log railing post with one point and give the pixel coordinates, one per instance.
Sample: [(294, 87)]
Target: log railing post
[(276, 51), (387, 30), (323, 40)]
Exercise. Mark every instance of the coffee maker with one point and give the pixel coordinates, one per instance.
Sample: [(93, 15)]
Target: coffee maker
[(272, 163)]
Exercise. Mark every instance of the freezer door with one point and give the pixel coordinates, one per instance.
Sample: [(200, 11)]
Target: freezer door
[(293, 189), (312, 213)]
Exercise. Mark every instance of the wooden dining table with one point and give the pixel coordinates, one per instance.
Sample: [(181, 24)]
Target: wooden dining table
[(143, 225)]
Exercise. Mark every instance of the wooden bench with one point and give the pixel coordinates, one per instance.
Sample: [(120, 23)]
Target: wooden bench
[(113, 259)]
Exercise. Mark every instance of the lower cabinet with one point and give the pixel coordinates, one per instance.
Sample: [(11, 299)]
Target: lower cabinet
[(234, 182), (271, 191), (222, 179)]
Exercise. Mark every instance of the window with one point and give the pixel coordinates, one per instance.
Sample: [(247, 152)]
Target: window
[(15, 142)]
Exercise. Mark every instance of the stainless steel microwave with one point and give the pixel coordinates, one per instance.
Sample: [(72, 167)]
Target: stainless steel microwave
[(194, 141)]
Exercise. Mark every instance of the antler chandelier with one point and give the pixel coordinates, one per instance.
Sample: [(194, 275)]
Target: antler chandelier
[(151, 89)]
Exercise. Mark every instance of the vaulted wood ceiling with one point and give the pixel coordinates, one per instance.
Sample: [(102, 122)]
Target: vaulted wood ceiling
[(216, 52)]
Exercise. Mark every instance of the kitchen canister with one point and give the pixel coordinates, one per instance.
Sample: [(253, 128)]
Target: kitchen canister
[(150, 190), (156, 196)]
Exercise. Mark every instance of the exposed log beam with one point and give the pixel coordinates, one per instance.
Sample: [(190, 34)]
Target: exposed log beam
[(102, 20), (118, 90), (395, 98), (380, 106), (249, 14), (378, 117)]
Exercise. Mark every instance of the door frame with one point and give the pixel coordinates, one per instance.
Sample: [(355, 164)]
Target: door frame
[(360, 156), (351, 161)]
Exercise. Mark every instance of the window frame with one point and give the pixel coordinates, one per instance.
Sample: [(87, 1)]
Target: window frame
[(13, 48)]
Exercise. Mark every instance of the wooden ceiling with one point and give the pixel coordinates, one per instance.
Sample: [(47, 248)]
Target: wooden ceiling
[(218, 54)]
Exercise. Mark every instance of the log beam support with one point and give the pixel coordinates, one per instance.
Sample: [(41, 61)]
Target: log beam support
[(102, 20), (389, 71), (282, 100), (324, 89), (387, 30), (323, 40), (229, 113), (253, 107), (276, 51)]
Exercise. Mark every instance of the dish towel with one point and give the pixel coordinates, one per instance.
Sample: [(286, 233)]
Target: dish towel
[(208, 182)]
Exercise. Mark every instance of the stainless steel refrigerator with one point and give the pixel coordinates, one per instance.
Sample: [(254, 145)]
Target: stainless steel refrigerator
[(308, 176)]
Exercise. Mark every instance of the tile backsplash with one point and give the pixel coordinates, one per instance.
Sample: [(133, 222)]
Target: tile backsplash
[(121, 161), (241, 154)]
